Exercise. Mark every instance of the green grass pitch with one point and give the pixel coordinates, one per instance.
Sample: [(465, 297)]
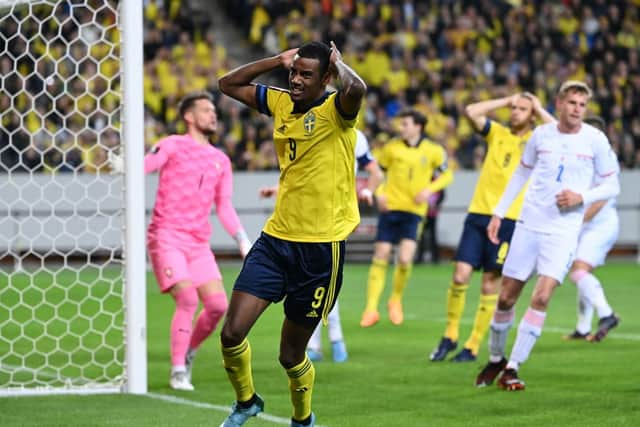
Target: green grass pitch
[(388, 379)]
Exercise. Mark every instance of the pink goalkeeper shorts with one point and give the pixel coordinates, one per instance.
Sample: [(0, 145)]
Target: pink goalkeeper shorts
[(181, 259)]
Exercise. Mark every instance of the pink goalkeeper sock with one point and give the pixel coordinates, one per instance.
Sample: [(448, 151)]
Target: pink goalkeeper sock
[(182, 323), (215, 305)]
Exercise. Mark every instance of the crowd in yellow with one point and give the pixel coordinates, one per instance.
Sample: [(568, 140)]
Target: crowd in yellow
[(63, 108)]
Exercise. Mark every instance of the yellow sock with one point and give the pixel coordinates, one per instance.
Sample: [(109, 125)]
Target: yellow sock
[(301, 379), (377, 276), (456, 296), (237, 363), (486, 307), (401, 276)]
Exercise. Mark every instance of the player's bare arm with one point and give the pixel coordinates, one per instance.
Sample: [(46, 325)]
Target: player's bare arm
[(352, 87), (373, 182), (238, 83), (477, 112), (593, 210)]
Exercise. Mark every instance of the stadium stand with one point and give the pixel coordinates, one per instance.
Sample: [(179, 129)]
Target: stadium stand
[(433, 55)]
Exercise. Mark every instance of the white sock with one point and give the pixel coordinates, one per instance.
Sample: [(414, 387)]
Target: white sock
[(335, 328), (591, 288), (528, 332), (585, 314), (178, 368), (500, 325), (315, 342)]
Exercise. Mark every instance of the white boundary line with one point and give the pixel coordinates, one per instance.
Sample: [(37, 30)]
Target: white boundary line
[(225, 409)]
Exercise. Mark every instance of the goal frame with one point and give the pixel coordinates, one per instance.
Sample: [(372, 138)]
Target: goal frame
[(132, 145)]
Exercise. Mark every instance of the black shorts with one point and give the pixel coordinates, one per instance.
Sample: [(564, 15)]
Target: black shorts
[(476, 249), (394, 226), (307, 275)]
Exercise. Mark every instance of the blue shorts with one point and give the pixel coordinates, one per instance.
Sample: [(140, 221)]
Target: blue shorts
[(476, 249), (394, 226), (307, 275)]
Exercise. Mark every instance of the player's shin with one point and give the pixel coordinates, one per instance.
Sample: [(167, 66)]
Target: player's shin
[(377, 273), (456, 296), (591, 288), (181, 325), (528, 333), (585, 314), (301, 379), (401, 275), (237, 363), (484, 314), (500, 326), (215, 305)]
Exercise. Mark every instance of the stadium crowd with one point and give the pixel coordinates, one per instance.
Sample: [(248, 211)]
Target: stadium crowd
[(437, 56)]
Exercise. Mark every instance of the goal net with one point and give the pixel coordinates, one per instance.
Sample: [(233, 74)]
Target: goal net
[(66, 253)]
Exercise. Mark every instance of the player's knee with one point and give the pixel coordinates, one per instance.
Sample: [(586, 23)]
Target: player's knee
[(230, 336), (289, 359), (540, 301), (507, 300), (216, 305), (460, 278), (577, 274), (186, 300), (405, 264)]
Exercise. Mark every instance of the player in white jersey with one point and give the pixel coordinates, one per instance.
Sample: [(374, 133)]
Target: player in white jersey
[(561, 160), (364, 160), (597, 237)]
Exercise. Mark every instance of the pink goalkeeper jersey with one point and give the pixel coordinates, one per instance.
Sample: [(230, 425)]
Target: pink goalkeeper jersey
[(193, 177)]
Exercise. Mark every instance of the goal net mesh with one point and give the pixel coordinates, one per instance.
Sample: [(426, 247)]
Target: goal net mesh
[(61, 228)]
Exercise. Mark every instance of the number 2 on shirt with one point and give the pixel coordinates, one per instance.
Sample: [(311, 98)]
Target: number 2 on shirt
[(560, 170)]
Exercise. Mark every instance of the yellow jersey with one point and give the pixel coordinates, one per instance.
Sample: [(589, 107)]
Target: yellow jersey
[(504, 150), (317, 199), (409, 170)]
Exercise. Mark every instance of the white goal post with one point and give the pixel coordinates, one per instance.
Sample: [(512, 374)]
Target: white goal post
[(72, 256)]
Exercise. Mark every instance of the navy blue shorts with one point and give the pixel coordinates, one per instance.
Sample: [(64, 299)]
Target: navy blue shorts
[(394, 226), (307, 275), (476, 249)]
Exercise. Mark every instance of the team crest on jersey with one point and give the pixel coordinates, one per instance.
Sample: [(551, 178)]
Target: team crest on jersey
[(168, 272), (423, 161), (309, 123)]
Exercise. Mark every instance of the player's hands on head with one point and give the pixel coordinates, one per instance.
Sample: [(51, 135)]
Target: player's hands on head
[(334, 58), (493, 228), (537, 105), (287, 57)]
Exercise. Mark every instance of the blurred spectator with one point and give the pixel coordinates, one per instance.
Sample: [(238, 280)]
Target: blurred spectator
[(433, 55)]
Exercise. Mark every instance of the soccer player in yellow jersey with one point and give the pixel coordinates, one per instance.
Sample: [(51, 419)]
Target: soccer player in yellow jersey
[(475, 251), (410, 162), (300, 254)]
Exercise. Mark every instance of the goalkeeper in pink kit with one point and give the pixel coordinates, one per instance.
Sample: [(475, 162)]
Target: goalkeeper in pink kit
[(194, 175)]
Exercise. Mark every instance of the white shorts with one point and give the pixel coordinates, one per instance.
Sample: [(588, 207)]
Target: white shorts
[(596, 240), (548, 254)]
